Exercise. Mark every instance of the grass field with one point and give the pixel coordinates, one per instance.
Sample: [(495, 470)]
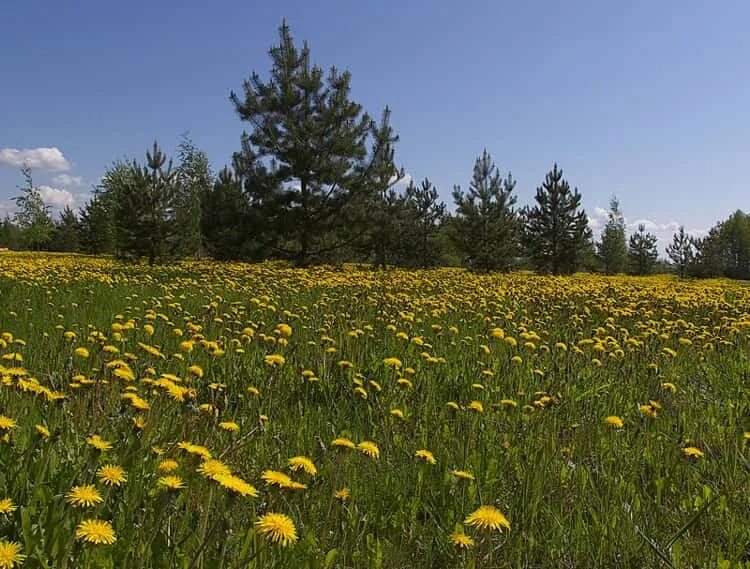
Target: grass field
[(604, 421)]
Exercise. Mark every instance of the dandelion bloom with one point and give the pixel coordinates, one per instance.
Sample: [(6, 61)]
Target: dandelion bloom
[(99, 532), (236, 484), (488, 518), (614, 421), (425, 455), (7, 506), (171, 482), (277, 528), (369, 448), (10, 554), (98, 443), (275, 360), (81, 352), (343, 494), (392, 362), (461, 540), (462, 474), (343, 443), (112, 475), (302, 463), (693, 452), (168, 465), (229, 426), (212, 468), (397, 413), (276, 478), (83, 496), (6, 423), (42, 431)]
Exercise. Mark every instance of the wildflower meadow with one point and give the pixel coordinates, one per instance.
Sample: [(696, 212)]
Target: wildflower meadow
[(206, 415)]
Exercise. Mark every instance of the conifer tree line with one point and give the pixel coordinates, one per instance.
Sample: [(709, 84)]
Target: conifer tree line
[(316, 180)]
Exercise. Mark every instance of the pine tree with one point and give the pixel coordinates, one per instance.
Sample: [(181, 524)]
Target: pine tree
[(33, 215), (642, 251), (556, 234), (375, 217), (10, 234), (66, 235), (423, 214), (96, 225), (305, 157), (680, 251), (146, 201), (612, 248), (224, 219), (195, 180), (485, 224)]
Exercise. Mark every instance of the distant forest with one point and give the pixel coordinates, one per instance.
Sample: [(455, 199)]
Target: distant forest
[(316, 180)]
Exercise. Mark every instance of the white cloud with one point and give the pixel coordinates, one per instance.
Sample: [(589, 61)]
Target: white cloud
[(67, 180), (663, 230), (56, 198), (48, 159), (401, 184)]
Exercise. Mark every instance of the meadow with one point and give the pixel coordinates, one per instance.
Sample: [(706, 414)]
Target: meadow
[(206, 415)]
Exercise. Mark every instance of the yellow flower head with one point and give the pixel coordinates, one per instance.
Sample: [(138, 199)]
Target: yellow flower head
[(425, 455), (369, 448), (83, 496), (98, 532), (111, 475), (614, 421), (7, 506), (171, 482), (302, 463), (461, 540), (10, 554), (693, 452), (488, 518), (277, 528)]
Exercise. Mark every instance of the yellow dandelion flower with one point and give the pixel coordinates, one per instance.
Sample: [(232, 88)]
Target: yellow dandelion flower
[(167, 466), (487, 518), (343, 494), (81, 352), (99, 532), (369, 448), (171, 482), (10, 554), (275, 360), (614, 421), (476, 406), (7, 506), (6, 423), (462, 474), (425, 455), (397, 413), (302, 463), (212, 468), (112, 475), (98, 443), (461, 540), (277, 528), (229, 426), (236, 484), (343, 443), (276, 478), (693, 452), (83, 496)]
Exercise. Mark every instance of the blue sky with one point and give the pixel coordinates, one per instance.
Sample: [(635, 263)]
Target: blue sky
[(646, 100)]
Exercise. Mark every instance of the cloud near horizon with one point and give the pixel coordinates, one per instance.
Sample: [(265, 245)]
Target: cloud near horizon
[(49, 159)]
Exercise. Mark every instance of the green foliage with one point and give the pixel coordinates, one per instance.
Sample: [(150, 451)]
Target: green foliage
[(642, 251), (33, 217), (66, 236), (224, 218), (305, 157), (422, 215), (485, 225), (149, 203), (97, 225), (10, 234), (612, 248), (680, 251), (195, 181), (556, 235)]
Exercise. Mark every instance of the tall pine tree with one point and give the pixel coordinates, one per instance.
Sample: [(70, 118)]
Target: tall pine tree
[(642, 251), (195, 180), (556, 234), (305, 157), (680, 251), (612, 248), (423, 214), (485, 224)]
